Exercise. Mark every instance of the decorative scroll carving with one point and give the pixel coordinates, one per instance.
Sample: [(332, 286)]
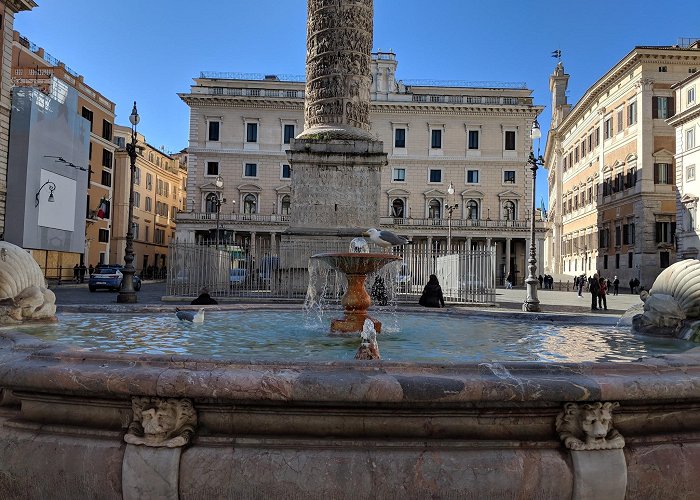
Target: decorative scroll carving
[(589, 426), (339, 44), (161, 422)]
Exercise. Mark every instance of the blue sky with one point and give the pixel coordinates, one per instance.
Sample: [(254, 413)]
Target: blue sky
[(149, 50)]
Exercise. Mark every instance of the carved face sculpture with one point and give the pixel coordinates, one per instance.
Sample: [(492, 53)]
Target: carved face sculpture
[(160, 420), (595, 423)]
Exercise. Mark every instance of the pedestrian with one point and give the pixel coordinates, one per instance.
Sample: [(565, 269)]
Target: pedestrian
[(631, 285), (76, 273), (204, 299), (509, 280), (378, 292), (602, 292), (636, 285), (432, 294), (541, 280), (83, 270), (616, 285), (594, 288), (91, 269), (581, 280)]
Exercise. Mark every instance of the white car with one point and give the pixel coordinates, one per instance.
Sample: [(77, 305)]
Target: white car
[(237, 276)]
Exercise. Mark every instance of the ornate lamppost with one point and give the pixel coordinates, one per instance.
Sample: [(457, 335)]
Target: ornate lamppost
[(127, 294), (217, 203), (450, 208), (532, 303)]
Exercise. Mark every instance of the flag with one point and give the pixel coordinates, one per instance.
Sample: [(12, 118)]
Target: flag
[(102, 209), (556, 53)]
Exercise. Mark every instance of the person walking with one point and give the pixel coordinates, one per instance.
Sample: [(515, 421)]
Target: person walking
[(541, 280), (76, 273), (581, 280), (509, 280), (616, 286), (594, 289), (432, 294), (602, 292), (631, 285)]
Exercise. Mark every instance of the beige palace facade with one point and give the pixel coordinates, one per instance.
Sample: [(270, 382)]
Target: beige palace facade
[(8, 9), (32, 66), (687, 125), (474, 137), (158, 196), (612, 188)]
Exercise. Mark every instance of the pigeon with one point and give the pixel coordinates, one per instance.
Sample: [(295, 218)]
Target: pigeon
[(190, 316), (385, 239)]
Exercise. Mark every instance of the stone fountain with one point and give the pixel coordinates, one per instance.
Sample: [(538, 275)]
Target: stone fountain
[(356, 266)]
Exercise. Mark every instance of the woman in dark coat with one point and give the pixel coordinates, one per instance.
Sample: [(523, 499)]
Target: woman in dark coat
[(432, 294)]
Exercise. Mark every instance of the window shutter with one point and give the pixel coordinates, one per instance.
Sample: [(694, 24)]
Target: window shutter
[(671, 107), (658, 232), (654, 107), (656, 173), (669, 174)]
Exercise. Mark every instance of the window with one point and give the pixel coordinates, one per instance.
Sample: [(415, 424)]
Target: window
[(689, 139), (87, 114), (509, 176), (631, 177), (472, 176), (663, 173), (625, 234), (106, 178), (212, 168), (436, 139), (605, 261), (135, 228), (137, 176), (509, 140), (286, 204), (690, 94), (632, 113), (251, 134), (147, 235), (597, 136), (632, 238), (620, 120), (603, 238), (576, 154), (663, 69), (618, 235), (473, 210), (692, 215), (630, 259), (211, 203), (288, 133), (213, 131), (662, 107), (607, 128), (400, 138), (286, 172), (251, 170), (590, 141), (690, 173), (106, 130), (473, 139), (583, 148), (434, 209), (435, 175), (664, 259), (106, 158), (665, 232), (399, 175), (397, 208), (509, 210), (149, 204), (173, 212), (250, 204), (158, 236), (103, 236), (137, 199), (119, 141)]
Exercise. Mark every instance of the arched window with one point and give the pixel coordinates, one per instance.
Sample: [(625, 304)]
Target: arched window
[(397, 208), (509, 210), (210, 202), (250, 204), (473, 209), (434, 209), (286, 203)]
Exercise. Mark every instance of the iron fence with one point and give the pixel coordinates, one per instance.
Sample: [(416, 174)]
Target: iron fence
[(282, 272)]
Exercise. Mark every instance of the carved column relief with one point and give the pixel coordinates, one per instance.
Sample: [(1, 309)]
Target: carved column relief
[(338, 57)]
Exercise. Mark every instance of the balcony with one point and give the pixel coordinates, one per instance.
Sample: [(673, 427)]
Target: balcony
[(227, 217)]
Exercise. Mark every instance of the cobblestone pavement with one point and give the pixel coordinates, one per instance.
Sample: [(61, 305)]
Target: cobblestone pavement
[(551, 301)]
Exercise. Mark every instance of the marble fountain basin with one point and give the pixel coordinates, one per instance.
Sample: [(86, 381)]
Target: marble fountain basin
[(91, 424)]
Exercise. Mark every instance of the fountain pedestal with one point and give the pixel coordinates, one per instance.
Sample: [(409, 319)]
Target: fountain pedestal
[(356, 300)]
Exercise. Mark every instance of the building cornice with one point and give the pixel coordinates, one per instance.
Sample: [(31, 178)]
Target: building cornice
[(684, 116), (20, 5)]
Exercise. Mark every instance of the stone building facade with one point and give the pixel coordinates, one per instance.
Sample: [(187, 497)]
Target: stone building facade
[(8, 9), (158, 196), (612, 188), (687, 125), (436, 134), (32, 66)]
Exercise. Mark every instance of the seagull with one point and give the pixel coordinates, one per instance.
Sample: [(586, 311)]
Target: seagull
[(197, 317), (385, 239)]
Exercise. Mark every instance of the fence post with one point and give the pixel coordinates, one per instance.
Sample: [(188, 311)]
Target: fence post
[(60, 273)]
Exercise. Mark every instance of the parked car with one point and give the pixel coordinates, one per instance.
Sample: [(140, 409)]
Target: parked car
[(110, 278), (237, 276)]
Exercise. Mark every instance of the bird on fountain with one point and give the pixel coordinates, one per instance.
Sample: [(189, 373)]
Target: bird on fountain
[(190, 316), (385, 239)]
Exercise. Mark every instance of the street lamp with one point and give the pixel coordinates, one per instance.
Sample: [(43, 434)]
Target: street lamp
[(127, 294), (218, 202), (450, 208), (532, 304)]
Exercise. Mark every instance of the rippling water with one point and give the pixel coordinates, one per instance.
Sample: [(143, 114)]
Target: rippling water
[(290, 335)]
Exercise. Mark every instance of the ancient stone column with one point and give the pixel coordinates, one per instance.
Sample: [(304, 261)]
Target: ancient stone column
[(338, 56)]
